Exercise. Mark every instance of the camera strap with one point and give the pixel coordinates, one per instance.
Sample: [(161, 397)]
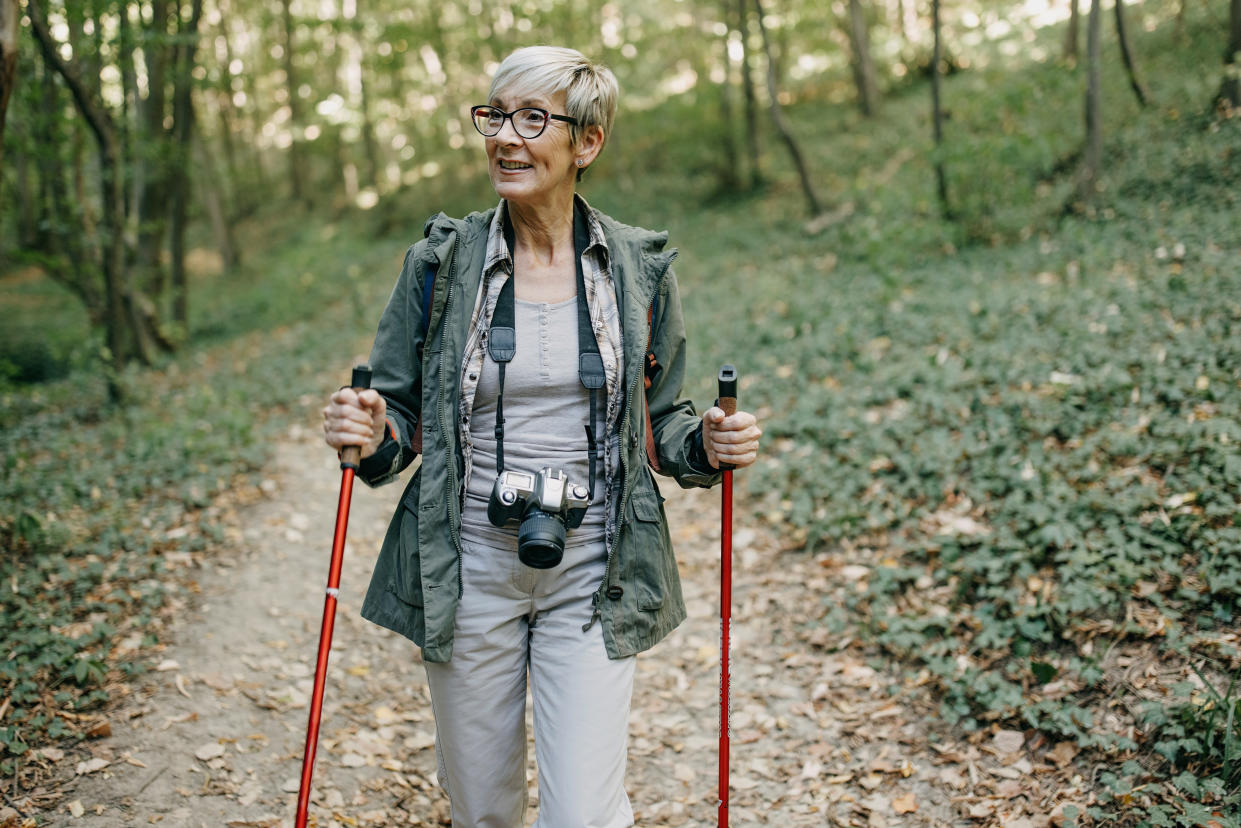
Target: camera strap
[(502, 342)]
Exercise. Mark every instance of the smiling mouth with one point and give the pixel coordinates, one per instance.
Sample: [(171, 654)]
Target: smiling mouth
[(513, 165)]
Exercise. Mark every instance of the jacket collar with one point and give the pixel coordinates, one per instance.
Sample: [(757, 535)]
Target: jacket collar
[(639, 251)]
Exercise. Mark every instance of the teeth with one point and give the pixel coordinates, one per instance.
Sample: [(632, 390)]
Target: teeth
[(513, 165)]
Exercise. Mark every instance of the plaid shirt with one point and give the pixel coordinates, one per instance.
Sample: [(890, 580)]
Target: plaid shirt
[(604, 317)]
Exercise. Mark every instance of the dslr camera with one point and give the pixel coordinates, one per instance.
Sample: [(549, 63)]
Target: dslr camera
[(545, 504)]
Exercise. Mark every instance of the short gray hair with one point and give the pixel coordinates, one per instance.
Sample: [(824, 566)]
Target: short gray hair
[(590, 88)]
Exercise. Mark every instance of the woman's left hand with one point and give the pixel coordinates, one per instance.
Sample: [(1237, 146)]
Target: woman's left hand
[(730, 439)]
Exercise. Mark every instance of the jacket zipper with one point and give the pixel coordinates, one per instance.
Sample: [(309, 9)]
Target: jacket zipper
[(628, 474), (451, 489)]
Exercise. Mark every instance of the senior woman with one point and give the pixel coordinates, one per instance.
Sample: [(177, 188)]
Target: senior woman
[(531, 545)]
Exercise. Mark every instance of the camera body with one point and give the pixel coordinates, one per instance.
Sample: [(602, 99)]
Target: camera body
[(545, 504)]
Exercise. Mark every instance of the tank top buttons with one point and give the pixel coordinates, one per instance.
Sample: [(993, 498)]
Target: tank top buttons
[(544, 311)]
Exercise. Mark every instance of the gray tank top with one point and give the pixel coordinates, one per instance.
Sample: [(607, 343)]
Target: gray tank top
[(545, 413)]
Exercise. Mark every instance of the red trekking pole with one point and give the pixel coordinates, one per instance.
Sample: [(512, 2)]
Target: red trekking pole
[(350, 456), (728, 402)]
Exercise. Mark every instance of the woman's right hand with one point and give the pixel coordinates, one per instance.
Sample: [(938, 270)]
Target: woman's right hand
[(355, 418)]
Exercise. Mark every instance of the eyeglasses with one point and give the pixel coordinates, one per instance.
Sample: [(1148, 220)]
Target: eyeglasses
[(528, 122)]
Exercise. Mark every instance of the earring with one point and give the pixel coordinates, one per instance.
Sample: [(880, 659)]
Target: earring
[(579, 162)]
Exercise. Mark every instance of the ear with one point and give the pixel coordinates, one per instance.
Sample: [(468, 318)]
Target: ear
[(589, 145)]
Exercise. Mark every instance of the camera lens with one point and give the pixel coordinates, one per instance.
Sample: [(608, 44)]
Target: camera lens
[(540, 539)]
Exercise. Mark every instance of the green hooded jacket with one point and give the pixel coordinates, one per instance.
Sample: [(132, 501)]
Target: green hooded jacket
[(416, 584)]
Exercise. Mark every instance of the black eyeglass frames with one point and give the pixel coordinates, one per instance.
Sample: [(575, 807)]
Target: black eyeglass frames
[(529, 121)]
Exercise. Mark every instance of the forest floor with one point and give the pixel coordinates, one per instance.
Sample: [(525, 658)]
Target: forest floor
[(822, 734)]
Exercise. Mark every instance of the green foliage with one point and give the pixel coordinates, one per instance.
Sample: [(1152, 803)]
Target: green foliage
[(1200, 737), (104, 504), (1024, 421), (45, 335), (1034, 442)]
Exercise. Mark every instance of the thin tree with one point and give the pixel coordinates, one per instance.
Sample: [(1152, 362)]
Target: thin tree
[(861, 63), (213, 203), (184, 58), (10, 16), (151, 167), (937, 115), (1092, 157), (1230, 88), (1127, 54), (297, 163), (1070, 33), (751, 98), (816, 207), (245, 197), (729, 179)]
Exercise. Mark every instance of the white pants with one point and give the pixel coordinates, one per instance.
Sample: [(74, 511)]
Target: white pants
[(513, 619)]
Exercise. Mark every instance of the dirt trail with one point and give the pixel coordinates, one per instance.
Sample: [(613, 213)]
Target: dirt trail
[(215, 738)]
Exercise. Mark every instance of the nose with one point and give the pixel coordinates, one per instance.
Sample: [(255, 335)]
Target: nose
[(508, 132)]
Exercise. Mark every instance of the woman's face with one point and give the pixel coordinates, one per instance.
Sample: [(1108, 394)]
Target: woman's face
[(531, 170)]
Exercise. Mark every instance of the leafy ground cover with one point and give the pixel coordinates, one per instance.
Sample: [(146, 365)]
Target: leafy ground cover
[(1026, 421), (1032, 442), (103, 502), (1022, 426)]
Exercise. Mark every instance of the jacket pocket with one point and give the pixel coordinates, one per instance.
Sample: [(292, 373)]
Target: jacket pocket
[(654, 568), (406, 581)]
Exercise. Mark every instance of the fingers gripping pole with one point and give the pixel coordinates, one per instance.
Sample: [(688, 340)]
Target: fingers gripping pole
[(350, 456), (349, 459), (728, 402)]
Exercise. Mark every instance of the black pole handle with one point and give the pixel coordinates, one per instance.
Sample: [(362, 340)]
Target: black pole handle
[(728, 390), (727, 398), (351, 456)]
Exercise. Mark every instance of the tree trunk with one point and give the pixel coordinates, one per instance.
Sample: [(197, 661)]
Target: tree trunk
[(816, 207), (112, 262), (129, 98), (1127, 54), (1230, 88), (862, 65), (1092, 157), (10, 18), (937, 116), (369, 141), (1070, 34), (297, 164), (221, 226), (729, 180), (66, 262), (151, 167), (260, 181), (25, 202), (751, 98), (240, 201), (183, 130)]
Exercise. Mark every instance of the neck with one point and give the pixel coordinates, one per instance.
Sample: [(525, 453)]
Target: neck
[(543, 231)]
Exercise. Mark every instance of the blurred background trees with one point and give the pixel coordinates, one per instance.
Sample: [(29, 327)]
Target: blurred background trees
[(131, 119)]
